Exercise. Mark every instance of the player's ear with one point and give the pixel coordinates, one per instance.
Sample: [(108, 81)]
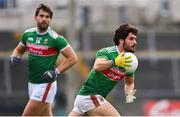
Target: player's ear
[(121, 41)]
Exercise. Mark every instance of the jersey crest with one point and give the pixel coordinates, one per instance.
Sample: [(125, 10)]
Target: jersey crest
[(38, 39)]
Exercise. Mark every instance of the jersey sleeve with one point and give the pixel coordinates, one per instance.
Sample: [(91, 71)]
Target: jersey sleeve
[(61, 43), (23, 39), (130, 74), (102, 54)]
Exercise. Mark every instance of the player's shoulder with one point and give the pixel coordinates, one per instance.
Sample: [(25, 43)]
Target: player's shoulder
[(54, 34), (109, 49), (30, 30)]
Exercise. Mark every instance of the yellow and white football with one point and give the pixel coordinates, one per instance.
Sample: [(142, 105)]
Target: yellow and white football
[(134, 63)]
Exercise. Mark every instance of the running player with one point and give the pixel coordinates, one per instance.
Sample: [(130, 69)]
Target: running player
[(109, 68), (43, 45)]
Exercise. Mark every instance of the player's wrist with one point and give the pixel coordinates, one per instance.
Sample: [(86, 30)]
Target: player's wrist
[(113, 63), (57, 71)]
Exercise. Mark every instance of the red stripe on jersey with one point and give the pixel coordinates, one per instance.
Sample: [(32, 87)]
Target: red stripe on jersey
[(41, 50), (95, 100), (114, 74), (46, 92)]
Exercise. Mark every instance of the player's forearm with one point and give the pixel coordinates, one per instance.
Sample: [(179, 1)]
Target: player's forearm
[(128, 88), (15, 53), (69, 62), (19, 50), (102, 64)]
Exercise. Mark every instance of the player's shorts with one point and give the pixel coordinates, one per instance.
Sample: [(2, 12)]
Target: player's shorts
[(84, 103), (44, 92)]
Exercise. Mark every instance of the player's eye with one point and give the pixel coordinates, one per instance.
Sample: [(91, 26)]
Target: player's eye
[(41, 15), (47, 16)]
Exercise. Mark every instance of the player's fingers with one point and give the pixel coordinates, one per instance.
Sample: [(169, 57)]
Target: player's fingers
[(128, 61), (134, 91), (121, 54), (43, 76), (127, 65), (127, 57)]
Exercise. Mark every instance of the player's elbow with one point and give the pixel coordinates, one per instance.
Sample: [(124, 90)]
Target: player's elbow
[(74, 59), (97, 67)]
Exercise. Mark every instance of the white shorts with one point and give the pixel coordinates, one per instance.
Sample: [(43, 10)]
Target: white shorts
[(42, 92), (84, 103)]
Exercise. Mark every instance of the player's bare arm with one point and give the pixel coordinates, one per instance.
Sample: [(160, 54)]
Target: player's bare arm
[(102, 64), (19, 50), (129, 85), (70, 59), (17, 53), (129, 89)]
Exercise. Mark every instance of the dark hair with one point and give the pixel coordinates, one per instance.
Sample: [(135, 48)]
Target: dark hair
[(44, 8), (123, 31)]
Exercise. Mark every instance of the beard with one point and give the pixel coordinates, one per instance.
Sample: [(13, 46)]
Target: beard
[(129, 49), (42, 27)]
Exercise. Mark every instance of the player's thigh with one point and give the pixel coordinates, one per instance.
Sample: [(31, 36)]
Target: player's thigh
[(72, 113), (34, 108), (105, 109), (47, 110)]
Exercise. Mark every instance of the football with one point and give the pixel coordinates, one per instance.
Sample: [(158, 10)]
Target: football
[(134, 63)]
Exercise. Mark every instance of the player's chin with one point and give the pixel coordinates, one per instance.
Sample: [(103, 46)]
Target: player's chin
[(132, 50), (44, 27)]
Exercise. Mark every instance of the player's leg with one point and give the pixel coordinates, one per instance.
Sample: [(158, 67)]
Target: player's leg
[(93, 105), (76, 110), (34, 108), (47, 110), (105, 109), (41, 98), (72, 113)]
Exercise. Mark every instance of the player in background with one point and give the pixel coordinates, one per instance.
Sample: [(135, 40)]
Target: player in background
[(43, 46), (109, 68)]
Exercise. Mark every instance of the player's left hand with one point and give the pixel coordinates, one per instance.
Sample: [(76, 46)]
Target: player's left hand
[(50, 75), (131, 97), (15, 60)]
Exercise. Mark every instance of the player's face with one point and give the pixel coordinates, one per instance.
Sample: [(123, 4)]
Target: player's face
[(43, 20), (130, 43)]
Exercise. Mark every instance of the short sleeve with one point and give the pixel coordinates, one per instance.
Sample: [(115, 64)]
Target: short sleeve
[(23, 39), (130, 74), (102, 54), (61, 43)]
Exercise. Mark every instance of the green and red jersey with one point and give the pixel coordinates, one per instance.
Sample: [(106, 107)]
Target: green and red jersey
[(43, 51), (103, 82)]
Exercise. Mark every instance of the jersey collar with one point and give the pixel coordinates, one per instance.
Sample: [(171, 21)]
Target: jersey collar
[(41, 33), (117, 50)]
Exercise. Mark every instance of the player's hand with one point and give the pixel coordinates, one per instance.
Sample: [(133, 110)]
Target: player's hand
[(123, 61), (50, 75), (15, 60), (131, 97)]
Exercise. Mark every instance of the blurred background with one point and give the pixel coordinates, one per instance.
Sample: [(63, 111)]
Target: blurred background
[(89, 25)]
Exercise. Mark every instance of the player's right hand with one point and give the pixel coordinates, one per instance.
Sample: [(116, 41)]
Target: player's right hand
[(131, 96), (122, 61), (50, 75), (15, 60)]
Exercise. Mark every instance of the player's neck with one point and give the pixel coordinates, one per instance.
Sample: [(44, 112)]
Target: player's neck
[(40, 31), (119, 48)]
